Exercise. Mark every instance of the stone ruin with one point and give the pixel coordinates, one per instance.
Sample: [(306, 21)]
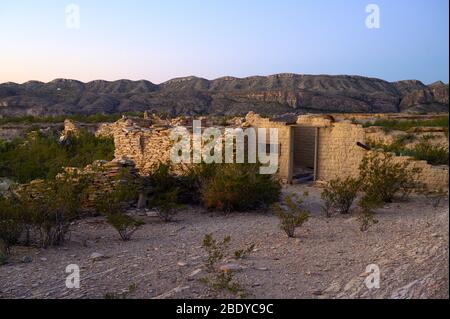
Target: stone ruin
[(312, 147)]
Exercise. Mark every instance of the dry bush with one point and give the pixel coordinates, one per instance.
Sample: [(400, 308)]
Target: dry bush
[(436, 196), (121, 295), (291, 214), (113, 204), (367, 217), (218, 280), (339, 195)]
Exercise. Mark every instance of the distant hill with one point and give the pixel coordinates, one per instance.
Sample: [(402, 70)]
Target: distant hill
[(275, 94)]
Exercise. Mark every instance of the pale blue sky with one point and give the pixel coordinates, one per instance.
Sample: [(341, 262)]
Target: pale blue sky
[(159, 40)]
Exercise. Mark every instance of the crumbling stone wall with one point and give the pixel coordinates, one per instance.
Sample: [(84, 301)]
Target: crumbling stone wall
[(145, 147), (103, 176)]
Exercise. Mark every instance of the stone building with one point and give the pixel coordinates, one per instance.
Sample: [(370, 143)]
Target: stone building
[(311, 147), (316, 147)]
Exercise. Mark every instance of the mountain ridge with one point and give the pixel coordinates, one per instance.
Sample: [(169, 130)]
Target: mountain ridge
[(273, 94)]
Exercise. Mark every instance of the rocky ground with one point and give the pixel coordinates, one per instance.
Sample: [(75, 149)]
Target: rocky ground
[(328, 259)]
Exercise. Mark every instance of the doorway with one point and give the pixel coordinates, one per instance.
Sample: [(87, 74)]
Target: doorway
[(305, 154)]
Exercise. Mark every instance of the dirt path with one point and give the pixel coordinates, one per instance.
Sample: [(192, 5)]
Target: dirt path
[(328, 259)]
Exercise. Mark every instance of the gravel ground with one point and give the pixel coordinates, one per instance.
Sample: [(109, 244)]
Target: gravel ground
[(327, 259)]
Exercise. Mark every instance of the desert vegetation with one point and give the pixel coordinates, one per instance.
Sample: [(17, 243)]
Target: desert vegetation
[(48, 204), (40, 213), (239, 187), (41, 156), (92, 118), (291, 213), (339, 195), (113, 205), (220, 278), (424, 149), (406, 125), (381, 178)]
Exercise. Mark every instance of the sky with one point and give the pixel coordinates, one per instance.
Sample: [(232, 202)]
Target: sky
[(164, 39)]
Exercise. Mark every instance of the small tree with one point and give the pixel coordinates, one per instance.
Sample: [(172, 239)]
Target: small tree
[(292, 215), (339, 195)]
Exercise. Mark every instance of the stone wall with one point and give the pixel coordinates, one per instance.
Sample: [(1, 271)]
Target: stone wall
[(434, 177), (73, 127), (145, 146), (338, 152), (286, 143), (103, 177)]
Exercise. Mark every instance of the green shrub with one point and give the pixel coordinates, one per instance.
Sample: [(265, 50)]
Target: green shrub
[(113, 204), (434, 155), (422, 151), (11, 226), (215, 250), (398, 147), (164, 192), (166, 205), (382, 177), (406, 125), (193, 180), (3, 258), (291, 215), (125, 225), (242, 253), (94, 118), (239, 187), (50, 206), (340, 194), (43, 209), (40, 156)]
